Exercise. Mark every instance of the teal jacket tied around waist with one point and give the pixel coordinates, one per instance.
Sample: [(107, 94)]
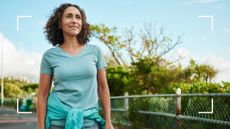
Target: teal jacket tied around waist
[(74, 117)]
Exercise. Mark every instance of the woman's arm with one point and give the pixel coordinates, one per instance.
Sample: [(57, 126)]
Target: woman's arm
[(103, 92), (43, 93)]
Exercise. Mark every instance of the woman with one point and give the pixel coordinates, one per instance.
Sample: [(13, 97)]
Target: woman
[(78, 72)]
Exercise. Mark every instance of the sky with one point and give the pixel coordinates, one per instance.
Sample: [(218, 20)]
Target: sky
[(22, 49)]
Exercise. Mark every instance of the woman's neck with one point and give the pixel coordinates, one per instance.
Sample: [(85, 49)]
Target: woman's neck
[(71, 43)]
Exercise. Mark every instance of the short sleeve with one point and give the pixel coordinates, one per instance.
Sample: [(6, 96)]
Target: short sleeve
[(101, 61), (45, 67)]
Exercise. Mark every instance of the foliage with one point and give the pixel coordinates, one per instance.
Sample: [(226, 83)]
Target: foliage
[(199, 87), (12, 90), (149, 75), (16, 88), (118, 78)]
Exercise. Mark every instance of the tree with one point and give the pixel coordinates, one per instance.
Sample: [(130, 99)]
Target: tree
[(150, 42), (206, 72), (150, 75), (148, 70), (110, 39), (147, 44)]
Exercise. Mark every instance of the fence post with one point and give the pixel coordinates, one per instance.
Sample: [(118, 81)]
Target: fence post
[(126, 101), (178, 107)]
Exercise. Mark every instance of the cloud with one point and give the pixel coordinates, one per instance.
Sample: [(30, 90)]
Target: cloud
[(19, 63), (182, 54), (221, 64)]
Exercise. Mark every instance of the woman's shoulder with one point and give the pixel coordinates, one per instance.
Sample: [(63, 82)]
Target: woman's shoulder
[(93, 47), (50, 51)]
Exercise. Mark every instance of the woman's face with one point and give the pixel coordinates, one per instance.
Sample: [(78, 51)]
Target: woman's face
[(71, 21)]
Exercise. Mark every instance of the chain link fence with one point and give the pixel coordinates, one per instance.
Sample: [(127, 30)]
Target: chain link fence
[(171, 111)]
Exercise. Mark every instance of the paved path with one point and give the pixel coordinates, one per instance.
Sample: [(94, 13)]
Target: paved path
[(10, 119)]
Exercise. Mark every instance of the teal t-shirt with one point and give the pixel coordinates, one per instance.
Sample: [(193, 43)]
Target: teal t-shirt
[(74, 76)]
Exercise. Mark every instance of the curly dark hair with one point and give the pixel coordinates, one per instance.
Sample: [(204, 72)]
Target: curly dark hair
[(52, 29)]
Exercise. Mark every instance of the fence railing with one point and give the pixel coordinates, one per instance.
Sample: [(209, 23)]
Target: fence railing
[(172, 111)]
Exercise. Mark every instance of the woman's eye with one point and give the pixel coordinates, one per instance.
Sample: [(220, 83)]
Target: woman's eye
[(78, 17)]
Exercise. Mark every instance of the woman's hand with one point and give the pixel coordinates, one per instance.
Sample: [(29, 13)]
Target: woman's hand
[(109, 125)]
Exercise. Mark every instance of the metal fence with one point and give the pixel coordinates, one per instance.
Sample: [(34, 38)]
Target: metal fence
[(172, 111)]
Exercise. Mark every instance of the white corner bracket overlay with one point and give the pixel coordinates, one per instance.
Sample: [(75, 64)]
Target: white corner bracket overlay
[(210, 17), (19, 17), (211, 112), (18, 112)]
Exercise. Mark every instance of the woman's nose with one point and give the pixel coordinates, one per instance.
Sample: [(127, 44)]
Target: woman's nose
[(74, 20)]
